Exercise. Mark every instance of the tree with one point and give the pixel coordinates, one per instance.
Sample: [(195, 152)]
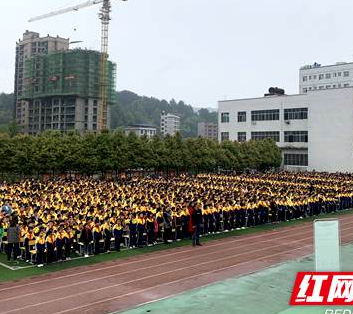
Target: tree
[(54, 152)]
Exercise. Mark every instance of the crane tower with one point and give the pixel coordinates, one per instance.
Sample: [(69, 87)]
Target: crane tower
[(104, 16)]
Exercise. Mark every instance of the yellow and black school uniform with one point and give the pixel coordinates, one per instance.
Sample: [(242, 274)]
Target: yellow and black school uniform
[(107, 234), (97, 236), (150, 222), (59, 243), (132, 231), (118, 235), (40, 248), (68, 239), (50, 246), (141, 230), (28, 237), (184, 218)]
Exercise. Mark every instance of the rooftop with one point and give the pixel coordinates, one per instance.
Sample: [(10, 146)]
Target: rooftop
[(141, 126)]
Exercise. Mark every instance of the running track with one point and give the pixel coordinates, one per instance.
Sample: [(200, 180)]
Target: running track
[(121, 284)]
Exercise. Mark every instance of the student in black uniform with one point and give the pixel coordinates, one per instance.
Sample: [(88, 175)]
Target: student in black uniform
[(133, 231), (118, 234), (150, 222), (141, 224), (40, 248)]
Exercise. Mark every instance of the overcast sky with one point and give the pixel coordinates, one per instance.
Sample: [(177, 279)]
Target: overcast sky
[(199, 51)]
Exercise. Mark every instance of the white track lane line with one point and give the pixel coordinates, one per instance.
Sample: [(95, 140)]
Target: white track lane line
[(164, 273), (147, 267), (175, 281), (239, 238)]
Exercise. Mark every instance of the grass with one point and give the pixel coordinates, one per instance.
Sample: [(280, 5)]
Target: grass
[(11, 275)]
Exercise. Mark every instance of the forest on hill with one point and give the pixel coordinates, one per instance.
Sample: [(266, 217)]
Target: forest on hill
[(134, 109)]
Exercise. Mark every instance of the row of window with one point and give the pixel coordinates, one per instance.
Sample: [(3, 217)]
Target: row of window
[(326, 76), (298, 159), (268, 115), (306, 89), (296, 114), (257, 136), (296, 136), (265, 115), (289, 136)]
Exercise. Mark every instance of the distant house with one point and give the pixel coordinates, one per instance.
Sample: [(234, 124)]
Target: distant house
[(207, 130), (170, 124), (141, 130)]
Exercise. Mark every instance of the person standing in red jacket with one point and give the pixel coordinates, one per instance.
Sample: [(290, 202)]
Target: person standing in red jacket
[(191, 210)]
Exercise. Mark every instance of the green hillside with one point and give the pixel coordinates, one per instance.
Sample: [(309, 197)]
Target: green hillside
[(134, 109)]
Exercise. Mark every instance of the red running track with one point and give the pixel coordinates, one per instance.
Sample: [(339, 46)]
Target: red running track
[(125, 283)]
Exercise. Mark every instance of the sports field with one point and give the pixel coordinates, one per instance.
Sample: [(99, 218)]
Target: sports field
[(242, 267), (247, 294)]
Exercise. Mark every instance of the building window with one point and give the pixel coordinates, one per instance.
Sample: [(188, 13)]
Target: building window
[(314, 77), (274, 135), (321, 87), (339, 73), (224, 136), (346, 85), (321, 76), (265, 115), (295, 136), (295, 159), (241, 136), (225, 117), (305, 78), (346, 73), (242, 116), (305, 90), (296, 114), (328, 75)]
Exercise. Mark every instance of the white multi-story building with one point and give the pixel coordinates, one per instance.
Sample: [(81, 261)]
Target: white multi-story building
[(207, 130), (318, 77), (170, 124), (141, 130), (313, 130)]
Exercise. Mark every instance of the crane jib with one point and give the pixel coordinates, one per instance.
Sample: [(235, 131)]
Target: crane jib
[(104, 16)]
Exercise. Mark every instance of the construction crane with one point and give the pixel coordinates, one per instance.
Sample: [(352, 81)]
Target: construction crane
[(104, 16)]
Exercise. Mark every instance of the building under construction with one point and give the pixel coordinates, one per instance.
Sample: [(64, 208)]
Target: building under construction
[(62, 89), (29, 46)]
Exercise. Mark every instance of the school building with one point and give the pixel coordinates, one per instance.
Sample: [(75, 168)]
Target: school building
[(314, 130)]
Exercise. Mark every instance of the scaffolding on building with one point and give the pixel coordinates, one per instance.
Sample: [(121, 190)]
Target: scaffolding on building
[(68, 73)]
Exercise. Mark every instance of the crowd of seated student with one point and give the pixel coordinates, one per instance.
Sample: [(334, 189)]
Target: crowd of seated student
[(94, 216)]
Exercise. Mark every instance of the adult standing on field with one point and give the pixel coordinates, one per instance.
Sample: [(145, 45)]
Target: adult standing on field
[(13, 239), (167, 226), (86, 238), (196, 219)]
